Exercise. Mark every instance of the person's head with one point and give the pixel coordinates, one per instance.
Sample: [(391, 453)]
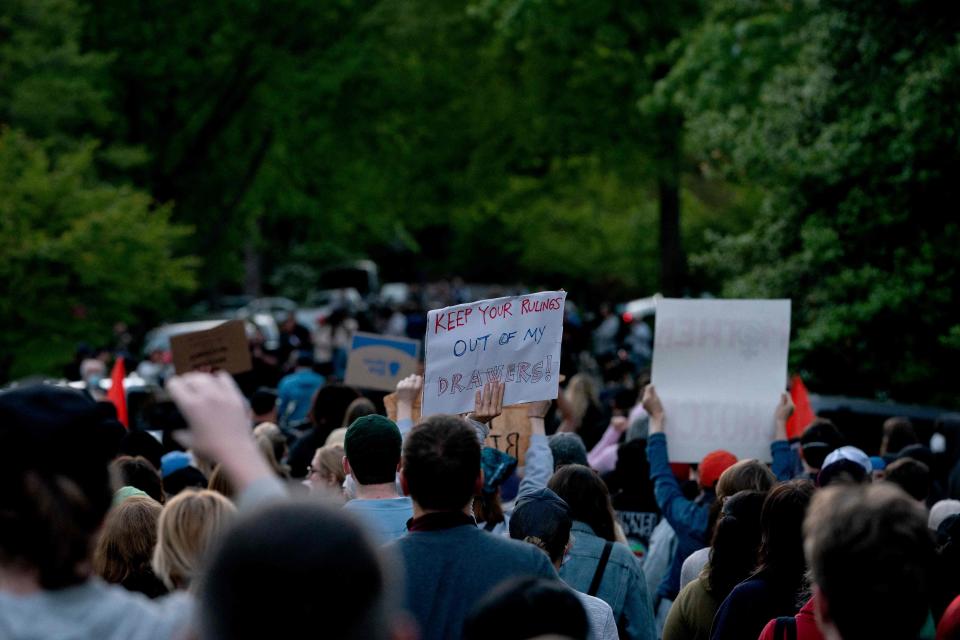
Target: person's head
[(125, 547), (869, 551), (781, 525), (567, 448), (329, 405), (712, 467), (304, 358), (357, 409), (587, 496), (189, 524), (898, 432), (127, 471), (940, 511), (818, 440), (273, 445), (745, 475), (911, 476), (284, 558), (263, 403), (581, 393), (220, 483), (188, 477), (543, 519), (325, 472), (372, 446), (845, 465), (440, 469), (523, 608), (54, 484), (736, 542), (141, 443)]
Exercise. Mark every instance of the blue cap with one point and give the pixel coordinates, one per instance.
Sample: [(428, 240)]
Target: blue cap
[(174, 461), (877, 463), (497, 467)]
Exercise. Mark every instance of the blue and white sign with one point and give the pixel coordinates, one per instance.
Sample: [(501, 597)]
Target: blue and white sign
[(379, 362)]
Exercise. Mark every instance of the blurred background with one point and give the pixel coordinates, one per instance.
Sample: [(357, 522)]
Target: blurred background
[(171, 161)]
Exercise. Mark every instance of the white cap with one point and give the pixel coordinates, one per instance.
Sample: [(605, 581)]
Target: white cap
[(849, 453), (941, 511)]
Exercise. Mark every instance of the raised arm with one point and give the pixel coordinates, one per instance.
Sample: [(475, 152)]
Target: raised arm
[(681, 513), (784, 456), (220, 430), (538, 466)]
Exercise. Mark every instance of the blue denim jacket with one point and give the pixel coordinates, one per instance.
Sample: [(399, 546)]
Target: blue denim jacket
[(687, 517), (623, 586)]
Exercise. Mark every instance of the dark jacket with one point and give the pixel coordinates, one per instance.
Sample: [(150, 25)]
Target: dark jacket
[(749, 607), (446, 571)]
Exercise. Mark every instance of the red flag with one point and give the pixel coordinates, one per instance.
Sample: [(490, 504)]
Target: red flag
[(117, 394), (802, 413)]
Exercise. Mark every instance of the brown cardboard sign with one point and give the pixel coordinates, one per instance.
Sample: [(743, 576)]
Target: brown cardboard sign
[(223, 347), (509, 432)]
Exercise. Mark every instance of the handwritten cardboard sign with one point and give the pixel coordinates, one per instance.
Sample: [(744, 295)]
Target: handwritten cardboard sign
[(514, 340), (223, 347), (379, 362), (509, 432), (719, 367)]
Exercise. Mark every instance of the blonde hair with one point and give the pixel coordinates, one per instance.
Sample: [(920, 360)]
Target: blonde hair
[(188, 524), (331, 464), (581, 392), (273, 445)]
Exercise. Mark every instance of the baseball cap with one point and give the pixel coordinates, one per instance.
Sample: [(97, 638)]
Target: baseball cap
[(497, 466), (852, 454), (541, 514), (714, 464)]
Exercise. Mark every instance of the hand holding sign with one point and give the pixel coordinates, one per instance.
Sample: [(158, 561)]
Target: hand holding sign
[(488, 403), (514, 341)]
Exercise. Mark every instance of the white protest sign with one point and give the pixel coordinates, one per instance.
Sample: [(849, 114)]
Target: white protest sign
[(719, 367), (513, 340)]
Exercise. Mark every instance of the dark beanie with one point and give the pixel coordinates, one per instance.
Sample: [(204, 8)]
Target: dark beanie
[(372, 445)]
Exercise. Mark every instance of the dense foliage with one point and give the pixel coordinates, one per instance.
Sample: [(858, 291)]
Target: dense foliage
[(798, 148)]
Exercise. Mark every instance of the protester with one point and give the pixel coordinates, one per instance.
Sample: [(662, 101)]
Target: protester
[(357, 409), (326, 413), (632, 497), (372, 449), (898, 433), (273, 445), (596, 564), (732, 558), (125, 546), (287, 568), (525, 608), (440, 471), (189, 524), (543, 519), (295, 392), (263, 404), (603, 456), (870, 556), (126, 471), (941, 511), (567, 448), (54, 451), (689, 519), (141, 443), (778, 587), (817, 442), (497, 466), (912, 476), (582, 414), (326, 473)]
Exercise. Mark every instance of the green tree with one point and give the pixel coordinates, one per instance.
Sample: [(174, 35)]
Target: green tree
[(845, 114)]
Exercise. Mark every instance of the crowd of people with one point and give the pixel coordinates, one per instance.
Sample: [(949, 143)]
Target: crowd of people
[(305, 509)]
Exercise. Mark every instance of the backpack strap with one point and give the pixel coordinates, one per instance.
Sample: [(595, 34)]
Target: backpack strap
[(601, 567), (785, 628)]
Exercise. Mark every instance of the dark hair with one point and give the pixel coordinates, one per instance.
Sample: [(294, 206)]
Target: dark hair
[(263, 401), (910, 475), (441, 463), (275, 559), (487, 507), (818, 440), (586, 494), (736, 541), (898, 432), (141, 443), (358, 408), (127, 471), (781, 525), (185, 478), (870, 553), (329, 404), (523, 608), (842, 472)]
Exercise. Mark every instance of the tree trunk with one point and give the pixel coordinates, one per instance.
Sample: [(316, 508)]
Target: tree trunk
[(673, 260)]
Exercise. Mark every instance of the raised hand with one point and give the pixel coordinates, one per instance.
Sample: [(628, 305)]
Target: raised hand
[(489, 402)]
